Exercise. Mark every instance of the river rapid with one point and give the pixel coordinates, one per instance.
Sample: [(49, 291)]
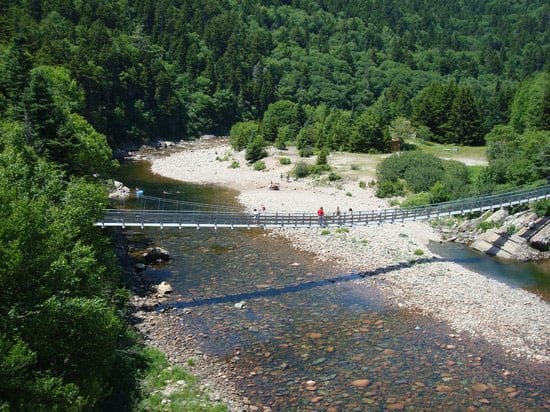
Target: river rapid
[(291, 333)]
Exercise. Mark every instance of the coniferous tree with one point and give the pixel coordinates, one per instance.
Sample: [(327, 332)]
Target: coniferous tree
[(464, 120)]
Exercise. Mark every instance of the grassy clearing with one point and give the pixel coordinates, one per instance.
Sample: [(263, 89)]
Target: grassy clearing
[(172, 388), (470, 155)]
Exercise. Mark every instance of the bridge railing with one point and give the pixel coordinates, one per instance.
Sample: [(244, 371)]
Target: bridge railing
[(232, 218)]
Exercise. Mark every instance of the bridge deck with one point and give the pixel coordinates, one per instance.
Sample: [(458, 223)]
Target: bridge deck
[(215, 219)]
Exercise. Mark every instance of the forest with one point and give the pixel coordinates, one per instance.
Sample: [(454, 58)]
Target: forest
[(79, 79)]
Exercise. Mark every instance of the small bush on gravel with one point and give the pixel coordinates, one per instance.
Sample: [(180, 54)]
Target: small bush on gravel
[(418, 252), (333, 177), (362, 184), (259, 165), (301, 169), (234, 165), (325, 232), (284, 161)]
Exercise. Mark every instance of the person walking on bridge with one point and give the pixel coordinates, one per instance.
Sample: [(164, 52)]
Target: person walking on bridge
[(321, 214)]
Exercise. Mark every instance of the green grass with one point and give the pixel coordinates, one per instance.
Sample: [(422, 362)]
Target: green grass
[(172, 388), (450, 151)]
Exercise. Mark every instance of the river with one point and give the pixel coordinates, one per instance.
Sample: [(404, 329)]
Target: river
[(298, 335)]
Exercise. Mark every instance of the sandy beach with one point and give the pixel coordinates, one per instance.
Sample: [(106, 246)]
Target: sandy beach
[(468, 302)]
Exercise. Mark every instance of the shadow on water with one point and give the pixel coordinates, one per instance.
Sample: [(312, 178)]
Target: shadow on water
[(272, 292)]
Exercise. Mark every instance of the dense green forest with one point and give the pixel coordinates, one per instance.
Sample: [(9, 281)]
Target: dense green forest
[(80, 78)]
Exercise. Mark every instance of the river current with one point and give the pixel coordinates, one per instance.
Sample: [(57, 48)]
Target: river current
[(299, 335)]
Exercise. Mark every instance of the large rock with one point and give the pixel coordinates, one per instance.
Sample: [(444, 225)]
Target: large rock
[(164, 288), (496, 242), (156, 255), (538, 234), (498, 217)]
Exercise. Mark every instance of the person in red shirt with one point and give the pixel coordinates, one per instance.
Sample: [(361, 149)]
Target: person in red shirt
[(321, 214)]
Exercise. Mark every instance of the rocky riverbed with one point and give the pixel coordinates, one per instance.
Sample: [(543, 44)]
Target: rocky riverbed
[(393, 259), (466, 300)]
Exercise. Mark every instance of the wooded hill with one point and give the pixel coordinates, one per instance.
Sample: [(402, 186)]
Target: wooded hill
[(179, 68)]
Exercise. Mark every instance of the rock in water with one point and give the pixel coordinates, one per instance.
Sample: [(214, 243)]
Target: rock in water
[(154, 254), (164, 288)]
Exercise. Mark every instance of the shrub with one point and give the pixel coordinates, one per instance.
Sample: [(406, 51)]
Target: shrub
[(306, 151), (234, 165), (318, 169), (284, 161), (322, 157), (388, 188), (333, 177), (420, 170), (484, 226), (417, 199), (325, 232), (542, 207), (418, 252), (349, 194), (511, 229), (354, 166), (301, 169), (259, 165), (342, 230), (362, 184), (255, 149), (242, 133)]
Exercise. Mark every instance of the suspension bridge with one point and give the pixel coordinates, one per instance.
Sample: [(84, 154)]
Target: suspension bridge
[(165, 213)]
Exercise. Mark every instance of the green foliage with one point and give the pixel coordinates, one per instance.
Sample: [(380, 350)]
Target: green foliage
[(486, 225), (284, 161), (255, 149), (420, 170), (259, 165), (418, 252), (388, 188), (322, 156), (542, 207), (334, 177), (234, 165), (184, 396), (325, 232), (417, 199), (531, 104), (278, 115), (362, 184), (242, 134), (318, 169), (301, 169), (306, 151)]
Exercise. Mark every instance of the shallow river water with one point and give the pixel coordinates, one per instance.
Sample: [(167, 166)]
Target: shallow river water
[(299, 335)]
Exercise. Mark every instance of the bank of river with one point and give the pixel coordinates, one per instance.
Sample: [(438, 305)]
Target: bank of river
[(274, 328)]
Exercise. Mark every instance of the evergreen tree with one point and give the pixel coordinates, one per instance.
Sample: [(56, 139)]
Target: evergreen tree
[(464, 124)]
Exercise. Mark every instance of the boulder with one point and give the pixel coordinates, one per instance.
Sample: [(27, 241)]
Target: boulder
[(498, 217), (164, 288), (497, 243), (156, 254), (538, 234)]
